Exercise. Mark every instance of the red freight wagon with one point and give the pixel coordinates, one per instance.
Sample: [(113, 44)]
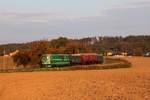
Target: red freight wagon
[(92, 58), (84, 59), (88, 58)]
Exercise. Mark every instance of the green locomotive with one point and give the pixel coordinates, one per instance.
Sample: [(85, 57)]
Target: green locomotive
[(54, 60)]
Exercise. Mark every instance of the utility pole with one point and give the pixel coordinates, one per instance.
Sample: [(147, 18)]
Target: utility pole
[(4, 52)]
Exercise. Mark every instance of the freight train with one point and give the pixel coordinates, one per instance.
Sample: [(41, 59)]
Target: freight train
[(56, 60)]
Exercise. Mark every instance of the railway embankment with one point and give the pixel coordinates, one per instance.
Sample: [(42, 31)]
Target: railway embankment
[(109, 63)]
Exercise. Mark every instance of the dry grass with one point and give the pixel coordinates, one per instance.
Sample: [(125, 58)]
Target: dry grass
[(117, 84), (6, 63)]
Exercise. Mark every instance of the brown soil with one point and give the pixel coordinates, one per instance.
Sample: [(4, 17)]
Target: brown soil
[(117, 84)]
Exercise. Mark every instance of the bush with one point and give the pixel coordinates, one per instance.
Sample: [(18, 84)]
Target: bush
[(21, 58)]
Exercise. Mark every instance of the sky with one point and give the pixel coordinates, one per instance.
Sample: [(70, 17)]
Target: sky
[(29, 20)]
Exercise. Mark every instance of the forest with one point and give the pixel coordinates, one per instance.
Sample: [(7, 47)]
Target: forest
[(133, 45), (31, 52)]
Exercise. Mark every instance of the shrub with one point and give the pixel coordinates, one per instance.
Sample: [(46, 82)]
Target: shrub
[(21, 58)]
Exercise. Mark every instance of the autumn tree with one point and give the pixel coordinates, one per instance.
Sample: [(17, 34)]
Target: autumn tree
[(22, 58), (77, 47), (37, 49)]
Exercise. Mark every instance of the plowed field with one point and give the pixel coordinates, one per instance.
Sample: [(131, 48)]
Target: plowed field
[(113, 84)]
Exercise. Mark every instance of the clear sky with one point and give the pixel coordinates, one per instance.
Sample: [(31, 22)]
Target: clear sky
[(27, 20)]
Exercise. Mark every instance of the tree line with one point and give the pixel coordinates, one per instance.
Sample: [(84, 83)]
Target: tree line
[(31, 52)]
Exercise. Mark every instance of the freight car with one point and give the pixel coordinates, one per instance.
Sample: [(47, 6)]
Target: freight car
[(75, 59), (100, 59), (88, 58), (53, 60)]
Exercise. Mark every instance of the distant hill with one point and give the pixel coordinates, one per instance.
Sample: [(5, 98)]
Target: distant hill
[(9, 48)]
